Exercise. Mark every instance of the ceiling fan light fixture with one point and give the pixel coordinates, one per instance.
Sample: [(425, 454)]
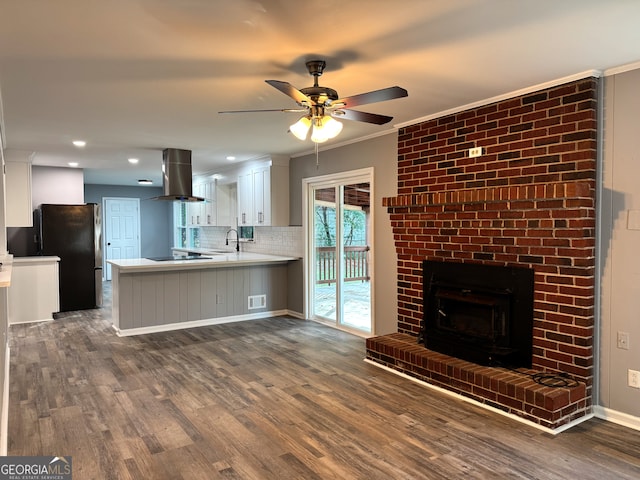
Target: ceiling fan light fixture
[(325, 128), (301, 128), (333, 126)]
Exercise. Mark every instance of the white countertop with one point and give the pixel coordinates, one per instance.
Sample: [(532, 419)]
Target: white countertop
[(35, 259), (5, 270), (204, 251), (216, 261)]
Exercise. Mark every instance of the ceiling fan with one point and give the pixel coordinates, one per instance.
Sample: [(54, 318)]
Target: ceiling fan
[(321, 104)]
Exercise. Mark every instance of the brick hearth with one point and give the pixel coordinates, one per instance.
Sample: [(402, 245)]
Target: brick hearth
[(529, 200), (506, 390)]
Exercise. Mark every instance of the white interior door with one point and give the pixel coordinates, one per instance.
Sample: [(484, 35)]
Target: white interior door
[(121, 230)]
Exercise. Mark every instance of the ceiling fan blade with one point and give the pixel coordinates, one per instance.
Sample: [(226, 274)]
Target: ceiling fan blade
[(362, 116), (291, 91), (295, 110), (370, 97)]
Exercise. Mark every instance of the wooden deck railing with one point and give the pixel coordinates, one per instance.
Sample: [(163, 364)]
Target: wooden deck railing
[(356, 265)]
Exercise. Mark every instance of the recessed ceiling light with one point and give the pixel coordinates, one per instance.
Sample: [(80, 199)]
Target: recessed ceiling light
[(231, 158), (79, 143), (73, 164), (144, 181), (133, 160)]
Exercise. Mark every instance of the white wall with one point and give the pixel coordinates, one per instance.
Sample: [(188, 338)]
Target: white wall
[(57, 185), (4, 313), (3, 223), (619, 258)]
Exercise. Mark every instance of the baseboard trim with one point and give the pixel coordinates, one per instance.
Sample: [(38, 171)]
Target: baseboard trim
[(616, 417), (552, 431), (4, 421), (198, 323), (31, 321)]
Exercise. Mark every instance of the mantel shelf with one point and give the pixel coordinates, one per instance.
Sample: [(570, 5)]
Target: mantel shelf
[(563, 190)]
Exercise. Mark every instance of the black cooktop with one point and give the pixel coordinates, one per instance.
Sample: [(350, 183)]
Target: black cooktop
[(178, 257)]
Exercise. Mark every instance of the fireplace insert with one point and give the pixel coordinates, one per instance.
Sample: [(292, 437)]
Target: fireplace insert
[(479, 313)]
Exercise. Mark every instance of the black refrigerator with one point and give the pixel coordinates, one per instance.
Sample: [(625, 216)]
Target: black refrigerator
[(74, 233)]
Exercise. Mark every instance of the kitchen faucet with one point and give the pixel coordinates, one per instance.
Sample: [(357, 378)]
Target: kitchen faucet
[(237, 238)]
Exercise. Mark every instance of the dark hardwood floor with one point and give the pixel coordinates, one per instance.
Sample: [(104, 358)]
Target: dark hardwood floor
[(269, 399)]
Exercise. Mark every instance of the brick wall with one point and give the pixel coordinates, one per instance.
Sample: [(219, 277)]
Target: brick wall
[(528, 200)]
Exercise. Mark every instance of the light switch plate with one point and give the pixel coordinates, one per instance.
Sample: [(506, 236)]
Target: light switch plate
[(633, 219)]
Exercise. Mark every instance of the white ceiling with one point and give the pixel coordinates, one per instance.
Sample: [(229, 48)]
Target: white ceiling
[(132, 77)]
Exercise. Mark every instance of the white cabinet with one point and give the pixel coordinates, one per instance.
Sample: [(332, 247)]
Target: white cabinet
[(18, 190), (33, 294), (203, 214), (188, 217), (227, 205), (196, 210), (263, 196), (210, 203), (245, 198), (255, 194)]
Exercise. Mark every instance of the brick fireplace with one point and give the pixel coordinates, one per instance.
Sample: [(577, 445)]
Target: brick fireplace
[(528, 200)]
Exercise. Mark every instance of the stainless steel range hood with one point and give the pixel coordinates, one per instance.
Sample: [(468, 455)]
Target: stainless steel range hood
[(176, 176)]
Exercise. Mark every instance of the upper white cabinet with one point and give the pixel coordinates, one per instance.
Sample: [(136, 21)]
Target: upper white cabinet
[(251, 194), (203, 213), (210, 203), (263, 194), (196, 209), (18, 189), (245, 198), (227, 204), (261, 178)]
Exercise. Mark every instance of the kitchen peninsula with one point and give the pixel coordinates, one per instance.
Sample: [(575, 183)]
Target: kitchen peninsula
[(153, 296)]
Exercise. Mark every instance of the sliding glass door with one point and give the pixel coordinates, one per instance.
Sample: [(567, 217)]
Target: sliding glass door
[(339, 250), (325, 250)]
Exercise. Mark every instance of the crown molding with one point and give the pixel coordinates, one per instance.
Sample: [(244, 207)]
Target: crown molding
[(504, 96), (622, 69)]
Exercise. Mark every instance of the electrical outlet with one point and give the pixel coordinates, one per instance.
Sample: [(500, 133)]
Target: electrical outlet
[(623, 340), (475, 152), (634, 378)]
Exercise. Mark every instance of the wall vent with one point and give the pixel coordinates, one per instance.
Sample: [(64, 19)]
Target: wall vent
[(257, 301)]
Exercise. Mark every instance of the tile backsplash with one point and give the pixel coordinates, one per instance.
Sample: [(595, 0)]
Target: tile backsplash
[(273, 240)]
